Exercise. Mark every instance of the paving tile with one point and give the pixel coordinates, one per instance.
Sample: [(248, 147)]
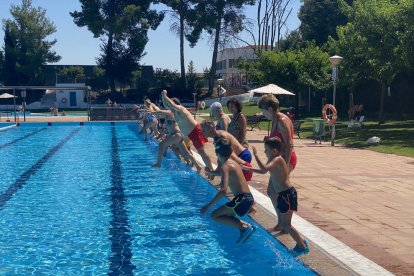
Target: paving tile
[(358, 196), (337, 183)]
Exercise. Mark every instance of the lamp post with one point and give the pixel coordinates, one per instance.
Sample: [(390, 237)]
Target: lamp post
[(195, 107), (23, 93), (219, 82), (335, 61)]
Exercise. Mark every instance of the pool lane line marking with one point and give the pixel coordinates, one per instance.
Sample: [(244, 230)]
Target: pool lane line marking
[(335, 249), (7, 128), (119, 231), (23, 178), (21, 138)]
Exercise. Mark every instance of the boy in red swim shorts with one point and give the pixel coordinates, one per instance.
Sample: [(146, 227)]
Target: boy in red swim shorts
[(189, 127)]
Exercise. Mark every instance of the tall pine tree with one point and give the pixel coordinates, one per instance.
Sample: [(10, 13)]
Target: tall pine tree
[(123, 25), (26, 49)]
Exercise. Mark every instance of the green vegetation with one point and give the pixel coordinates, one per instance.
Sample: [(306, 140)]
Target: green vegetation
[(123, 27), (26, 45), (374, 37), (396, 135)]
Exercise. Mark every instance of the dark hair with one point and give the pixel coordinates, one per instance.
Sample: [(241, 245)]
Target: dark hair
[(223, 148), (218, 137), (274, 143), (207, 124), (176, 100), (236, 103)]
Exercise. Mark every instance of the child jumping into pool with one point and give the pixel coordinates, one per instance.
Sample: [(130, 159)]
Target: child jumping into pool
[(287, 200), (231, 176)]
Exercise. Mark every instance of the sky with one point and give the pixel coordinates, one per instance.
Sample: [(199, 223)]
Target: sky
[(77, 46)]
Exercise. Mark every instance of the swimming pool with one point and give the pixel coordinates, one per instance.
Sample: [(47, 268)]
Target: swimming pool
[(85, 200)]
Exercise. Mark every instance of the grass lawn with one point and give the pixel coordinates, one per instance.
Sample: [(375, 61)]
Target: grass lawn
[(397, 137)]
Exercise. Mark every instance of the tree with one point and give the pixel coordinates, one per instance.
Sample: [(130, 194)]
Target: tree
[(99, 81), (293, 69), (1, 66), (293, 40), (319, 19), (123, 61), (406, 16), (124, 24), (26, 48), (183, 12), (72, 72), (270, 25), (313, 67), (166, 78), (371, 43), (220, 17), (193, 81)]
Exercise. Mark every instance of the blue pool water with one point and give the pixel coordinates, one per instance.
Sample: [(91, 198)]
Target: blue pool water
[(85, 200)]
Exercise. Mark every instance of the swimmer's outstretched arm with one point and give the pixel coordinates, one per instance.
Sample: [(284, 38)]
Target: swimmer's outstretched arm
[(161, 113), (253, 170), (264, 168), (168, 103)]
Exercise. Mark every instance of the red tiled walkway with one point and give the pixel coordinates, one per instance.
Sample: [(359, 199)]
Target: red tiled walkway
[(363, 198)]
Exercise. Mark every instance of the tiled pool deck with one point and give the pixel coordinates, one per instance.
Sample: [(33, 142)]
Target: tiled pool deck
[(360, 199), (355, 206)]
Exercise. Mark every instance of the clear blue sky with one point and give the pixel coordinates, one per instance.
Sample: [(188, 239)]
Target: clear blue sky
[(77, 45)]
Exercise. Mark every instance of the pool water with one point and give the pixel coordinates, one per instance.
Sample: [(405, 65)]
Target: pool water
[(85, 200)]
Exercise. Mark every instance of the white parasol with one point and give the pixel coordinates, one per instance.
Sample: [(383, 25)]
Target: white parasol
[(271, 89), (6, 96)]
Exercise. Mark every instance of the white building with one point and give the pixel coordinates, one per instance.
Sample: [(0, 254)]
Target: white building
[(62, 98), (70, 98), (226, 61)]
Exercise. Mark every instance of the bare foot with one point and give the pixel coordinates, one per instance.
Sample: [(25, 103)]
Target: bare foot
[(157, 165)]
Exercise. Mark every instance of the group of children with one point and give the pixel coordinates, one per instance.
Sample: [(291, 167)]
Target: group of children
[(233, 167)]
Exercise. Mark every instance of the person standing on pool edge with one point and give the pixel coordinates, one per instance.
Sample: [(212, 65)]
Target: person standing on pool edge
[(282, 128), (231, 177), (189, 126), (287, 200)]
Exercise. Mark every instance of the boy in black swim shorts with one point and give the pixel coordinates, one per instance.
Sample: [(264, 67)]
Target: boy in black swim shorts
[(232, 177), (287, 200)]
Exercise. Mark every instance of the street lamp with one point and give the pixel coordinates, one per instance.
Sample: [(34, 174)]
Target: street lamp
[(195, 107), (335, 61), (219, 82), (23, 94)]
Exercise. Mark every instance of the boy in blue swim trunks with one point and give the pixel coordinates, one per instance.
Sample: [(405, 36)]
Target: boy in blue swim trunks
[(287, 200), (231, 177)]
